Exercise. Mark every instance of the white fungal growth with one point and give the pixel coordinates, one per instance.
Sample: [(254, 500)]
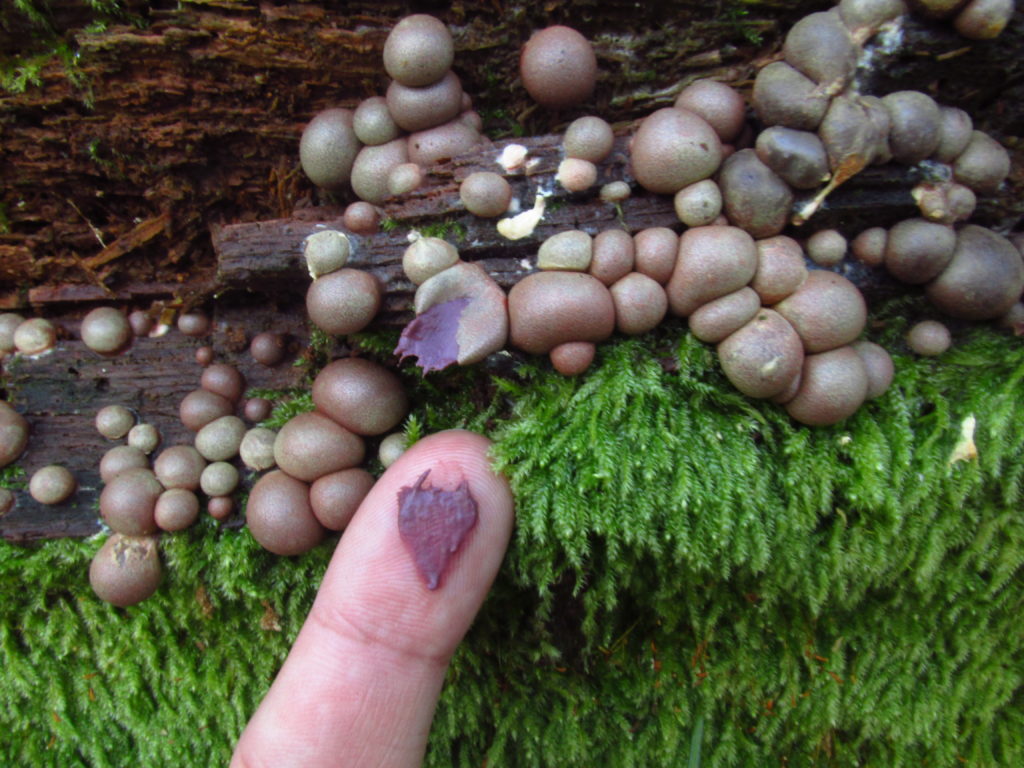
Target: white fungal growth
[(965, 449), (512, 157), (518, 227), (326, 251), (888, 41)]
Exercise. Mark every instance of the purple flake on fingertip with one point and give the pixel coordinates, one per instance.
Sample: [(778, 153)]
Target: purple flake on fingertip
[(431, 336), (433, 523)]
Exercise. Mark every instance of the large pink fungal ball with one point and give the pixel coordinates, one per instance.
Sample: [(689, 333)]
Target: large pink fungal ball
[(558, 67)]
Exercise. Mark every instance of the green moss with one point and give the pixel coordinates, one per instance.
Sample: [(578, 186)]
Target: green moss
[(689, 570)]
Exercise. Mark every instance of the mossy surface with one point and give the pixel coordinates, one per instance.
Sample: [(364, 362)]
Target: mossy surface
[(686, 562)]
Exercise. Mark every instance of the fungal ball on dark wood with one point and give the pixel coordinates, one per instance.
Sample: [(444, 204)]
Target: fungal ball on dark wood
[(640, 303), (279, 516), (268, 348), (426, 257), (485, 194), (448, 140), (195, 324), (929, 338), (141, 323), (361, 395), (917, 250), (328, 148), (325, 252), (362, 217), (984, 19), (119, 459), (914, 125), (588, 138), (128, 501), (570, 250), (176, 509), (784, 96), (573, 357), (419, 108), (865, 17), (712, 262), (798, 157), (820, 46), (51, 484), (114, 421), (334, 498), (13, 434), (983, 279), (372, 122), (955, 130), (179, 466), (105, 330), (145, 437), (983, 165), (780, 268), (755, 198), (869, 246), (126, 570), (673, 148), (343, 302), (224, 380), (576, 175), (200, 407), (826, 248), (720, 105), (312, 445), (219, 440), (204, 356), (35, 336), (373, 165), (558, 67), (419, 50)]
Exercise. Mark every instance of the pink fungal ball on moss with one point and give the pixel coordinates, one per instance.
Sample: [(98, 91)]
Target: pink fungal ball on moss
[(558, 67)]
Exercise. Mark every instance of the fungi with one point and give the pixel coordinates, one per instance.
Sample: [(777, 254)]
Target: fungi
[(762, 358), (640, 303), (126, 570), (558, 67), (877, 364), (955, 131), (219, 479), (361, 395), (754, 197), (372, 122), (984, 19), (613, 255), (984, 278), (576, 175), (51, 484), (869, 246), (257, 408), (485, 194), (719, 104), (573, 357), (195, 324), (128, 501), (720, 318), (34, 336), (326, 251), (268, 348), (798, 157), (712, 262), (312, 445), (114, 421), (929, 338), (780, 268), (361, 217), (176, 509), (699, 204), (106, 330), (430, 146), (179, 466), (419, 50), (328, 148), (783, 96), (570, 250), (588, 138), (372, 166), (220, 507), (820, 46), (257, 448), (199, 407), (983, 164), (917, 250), (827, 311), (140, 322), (390, 449), (343, 302), (13, 434), (219, 440), (119, 459), (426, 257), (914, 129), (422, 107), (224, 380), (279, 516), (404, 178), (673, 148), (145, 437), (9, 322), (334, 498), (550, 308), (204, 356), (655, 251), (826, 247), (833, 385)]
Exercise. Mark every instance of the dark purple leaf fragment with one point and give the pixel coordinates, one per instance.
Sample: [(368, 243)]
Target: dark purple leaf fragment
[(431, 336), (433, 524)]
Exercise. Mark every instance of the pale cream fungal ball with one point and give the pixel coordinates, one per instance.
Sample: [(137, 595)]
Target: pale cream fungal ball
[(826, 248), (105, 330), (114, 421), (145, 437), (576, 175), (588, 138), (426, 257), (328, 148), (391, 447), (325, 252), (34, 336), (698, 204), (419, 50), (485, 194), (929, 338), (51, 484)]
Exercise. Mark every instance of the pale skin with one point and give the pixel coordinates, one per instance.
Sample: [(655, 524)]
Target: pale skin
[(361, 683)]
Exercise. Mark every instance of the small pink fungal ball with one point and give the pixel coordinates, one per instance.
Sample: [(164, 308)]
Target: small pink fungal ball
[(558, 67), (361, 218), (929, 338), (576, 175)]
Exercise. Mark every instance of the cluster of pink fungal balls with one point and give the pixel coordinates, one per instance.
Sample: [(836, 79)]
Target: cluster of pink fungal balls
[(786, 322)]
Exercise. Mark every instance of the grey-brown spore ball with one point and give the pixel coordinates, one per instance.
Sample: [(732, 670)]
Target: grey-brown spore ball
[(780, 268), (390, 448), (361, 395), (279, 516), (106, 330), (426, 257), (176, 509), (722, 317), (833, 385), (917, 250), (485, 194), (7, 501), (119, 459), (257, 448), (35, 336), (929, 338), (827, 311), (362, 217), (224, 380), (588, 138), (128, 501), (551, 308), (51, 484), (334, 498), (984, 278), (798, 157), (673, 148), (142, 324), (9, 322), (558, 67), (763, 357), (754, 197), (126, 570), (195, 324), (984, 19), (326, 251), (955, 130), (179, 466), (373, 165), (416, 109), (418, 50), (145, 437), (219, 479), (720, 105), (312, 445), (865, 17), (373, 123), (268, 348), (820, 46), (448, 140), (220, 507), (914, 125), (640, 303), (783, 96), (114, 421), (199, 407), (869, 246), (878, 365), (328, 148), (13, 434), (219, 440), (257, 408), (343, 302), (826, 247), (712, 262), (983, 165)]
